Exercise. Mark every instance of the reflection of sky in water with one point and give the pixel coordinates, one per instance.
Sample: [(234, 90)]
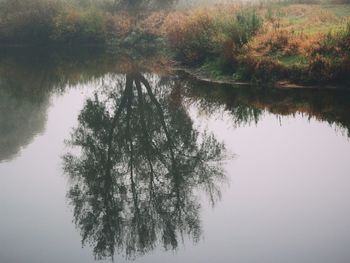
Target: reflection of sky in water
[(288, 199)]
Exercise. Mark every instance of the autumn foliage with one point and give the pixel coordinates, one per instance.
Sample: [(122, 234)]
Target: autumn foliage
[(262, 42)]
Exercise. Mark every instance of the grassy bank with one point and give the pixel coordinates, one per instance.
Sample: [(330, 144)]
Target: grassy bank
[(261, 43), (264, 43)]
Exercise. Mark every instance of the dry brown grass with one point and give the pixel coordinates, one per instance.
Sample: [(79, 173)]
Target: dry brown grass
[(120, 25)]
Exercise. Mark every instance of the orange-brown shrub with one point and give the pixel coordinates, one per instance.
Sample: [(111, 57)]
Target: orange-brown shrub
[(191, 34), (153, 23), (280, 41), (329, 58), (119, 25)]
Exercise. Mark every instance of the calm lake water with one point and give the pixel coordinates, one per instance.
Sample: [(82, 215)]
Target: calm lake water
[(110, 158)]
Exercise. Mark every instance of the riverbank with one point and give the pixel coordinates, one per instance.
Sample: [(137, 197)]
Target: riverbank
[(260, 44), (199, 75), (305, 45), (30, 75)]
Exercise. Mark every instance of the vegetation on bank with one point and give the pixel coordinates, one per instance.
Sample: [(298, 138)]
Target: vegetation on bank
[(263, 43), (28, 78)]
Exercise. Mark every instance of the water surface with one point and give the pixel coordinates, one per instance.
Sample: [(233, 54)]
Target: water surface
[(113, 159)]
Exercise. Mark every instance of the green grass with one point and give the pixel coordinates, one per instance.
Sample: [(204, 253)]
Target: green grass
[(295, 19), (341, 10), (292, 60), (321, 29)]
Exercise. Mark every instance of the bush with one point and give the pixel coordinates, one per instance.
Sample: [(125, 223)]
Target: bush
[(27, 21), (191, 35), (260, 69), (276, 43), (119, 26), (235, 31), (334, 43), (330, 58), (74, 26), (202, 33), (241, 27)]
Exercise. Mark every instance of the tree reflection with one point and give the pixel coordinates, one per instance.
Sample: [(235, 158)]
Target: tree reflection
[(140, 164), (23, 108), (246, 105)]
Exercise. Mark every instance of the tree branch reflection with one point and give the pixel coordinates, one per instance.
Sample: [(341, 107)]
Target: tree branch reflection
[(135, 179)]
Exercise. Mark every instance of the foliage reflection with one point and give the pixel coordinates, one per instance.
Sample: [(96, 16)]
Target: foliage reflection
[(134, 181)]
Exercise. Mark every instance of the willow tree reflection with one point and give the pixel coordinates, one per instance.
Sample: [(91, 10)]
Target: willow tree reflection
[(140, 164)]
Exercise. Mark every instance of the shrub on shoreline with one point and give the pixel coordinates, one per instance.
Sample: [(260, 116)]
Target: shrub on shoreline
[(203, 33), (330, 58), (27, 21), (86, 26), (227, 40)]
